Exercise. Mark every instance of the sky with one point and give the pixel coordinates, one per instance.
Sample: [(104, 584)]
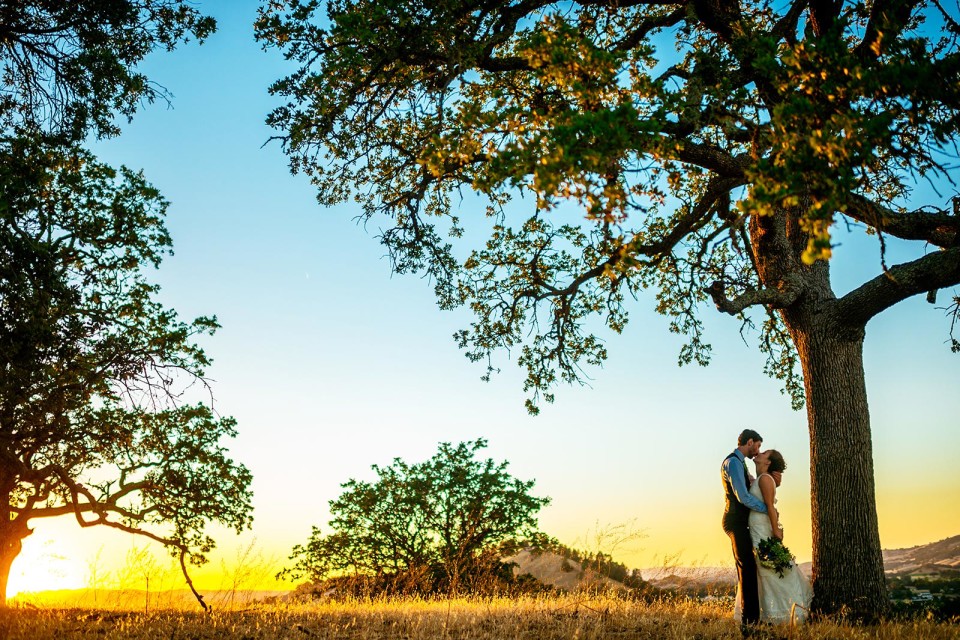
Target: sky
[(330, 364)]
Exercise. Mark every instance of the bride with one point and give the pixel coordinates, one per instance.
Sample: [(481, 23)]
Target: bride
[(786, 598)]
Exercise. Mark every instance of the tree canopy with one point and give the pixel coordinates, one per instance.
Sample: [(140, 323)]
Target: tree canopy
[(70, 68), (432, 525), (701, 149), (668, 150)]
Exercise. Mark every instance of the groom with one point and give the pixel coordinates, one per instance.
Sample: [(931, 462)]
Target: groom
[(736, 484)]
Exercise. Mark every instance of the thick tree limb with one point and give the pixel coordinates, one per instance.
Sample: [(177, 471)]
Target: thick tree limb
[(507, 63), (786, 27), (719, 16), (938, 227), (887, 20), (823, 13), (506, 28), (933, 271), (712, 158)]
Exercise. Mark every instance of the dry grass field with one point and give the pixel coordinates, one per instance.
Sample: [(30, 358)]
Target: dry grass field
[(581, 618)]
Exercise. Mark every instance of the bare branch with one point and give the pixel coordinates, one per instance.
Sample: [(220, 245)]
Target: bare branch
[(771, 298)]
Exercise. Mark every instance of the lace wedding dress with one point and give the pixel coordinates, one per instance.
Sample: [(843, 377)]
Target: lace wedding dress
[(777, 595)]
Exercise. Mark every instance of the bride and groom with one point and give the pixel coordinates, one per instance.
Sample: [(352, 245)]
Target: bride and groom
[(750, 517)]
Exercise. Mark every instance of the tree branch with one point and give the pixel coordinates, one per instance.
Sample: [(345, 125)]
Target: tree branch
[(78, 509), (938, 227), (713, 158), (771, 298), (786, 27), (635, 37), (719, 16), (823, 13), (887, 20), (933, 271)]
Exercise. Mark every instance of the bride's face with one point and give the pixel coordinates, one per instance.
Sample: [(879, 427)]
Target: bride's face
[(762, 459)]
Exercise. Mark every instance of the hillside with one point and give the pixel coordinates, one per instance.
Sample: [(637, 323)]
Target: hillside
[(559, 572), (935, 558)]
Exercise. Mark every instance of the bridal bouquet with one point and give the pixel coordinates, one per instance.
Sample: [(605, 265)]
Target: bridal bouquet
[(773, 555)]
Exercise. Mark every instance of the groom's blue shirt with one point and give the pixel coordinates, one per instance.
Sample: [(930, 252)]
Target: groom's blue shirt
[(734, 467)]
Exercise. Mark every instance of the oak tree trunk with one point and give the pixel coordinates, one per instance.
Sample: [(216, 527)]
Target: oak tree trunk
[(847, 562), (11, 542)]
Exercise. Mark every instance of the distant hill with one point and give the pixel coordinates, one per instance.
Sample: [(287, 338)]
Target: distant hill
[(935, 558), (561, 573)]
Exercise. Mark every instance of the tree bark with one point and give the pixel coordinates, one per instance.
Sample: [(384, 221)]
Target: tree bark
[(847, 562), (11, 542)]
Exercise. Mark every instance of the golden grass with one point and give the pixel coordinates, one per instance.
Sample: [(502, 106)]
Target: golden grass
[(574, 617)]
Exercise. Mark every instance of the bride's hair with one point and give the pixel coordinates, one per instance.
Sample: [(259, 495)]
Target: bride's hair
[(776, 461)]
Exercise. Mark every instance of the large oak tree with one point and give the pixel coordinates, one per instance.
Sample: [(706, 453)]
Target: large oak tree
[(94, 368), (94, 371), (709, 146)]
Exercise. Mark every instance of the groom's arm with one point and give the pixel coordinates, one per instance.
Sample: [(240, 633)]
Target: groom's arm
[(734, 470)]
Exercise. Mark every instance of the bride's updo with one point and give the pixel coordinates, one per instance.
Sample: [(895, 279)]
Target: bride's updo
[(776, 461)]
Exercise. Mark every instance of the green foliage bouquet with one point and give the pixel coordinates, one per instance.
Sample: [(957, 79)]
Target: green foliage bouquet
[(773, 555)]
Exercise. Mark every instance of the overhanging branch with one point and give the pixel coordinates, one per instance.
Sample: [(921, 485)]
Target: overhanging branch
[(938, 227), (933, 271), (78, 507)]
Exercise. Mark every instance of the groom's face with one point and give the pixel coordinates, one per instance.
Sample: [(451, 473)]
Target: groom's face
[(754, 447)]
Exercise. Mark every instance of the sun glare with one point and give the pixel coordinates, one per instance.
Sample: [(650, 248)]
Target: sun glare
[(42, 568)]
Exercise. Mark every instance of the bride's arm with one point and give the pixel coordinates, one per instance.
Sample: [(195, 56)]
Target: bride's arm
[(768, 489)]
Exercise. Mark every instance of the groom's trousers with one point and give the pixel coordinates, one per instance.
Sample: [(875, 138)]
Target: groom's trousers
[(746, 574)]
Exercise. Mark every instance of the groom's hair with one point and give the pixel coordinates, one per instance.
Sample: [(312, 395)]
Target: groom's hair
[(748, 434)]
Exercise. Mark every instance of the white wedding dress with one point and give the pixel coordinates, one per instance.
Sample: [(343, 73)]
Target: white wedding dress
[(777, 595)]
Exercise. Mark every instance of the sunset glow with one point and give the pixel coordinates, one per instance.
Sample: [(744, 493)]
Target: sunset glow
[(43, 567), (330, 365)]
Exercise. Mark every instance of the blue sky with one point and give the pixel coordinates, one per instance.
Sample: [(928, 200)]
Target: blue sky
[(330, 364)]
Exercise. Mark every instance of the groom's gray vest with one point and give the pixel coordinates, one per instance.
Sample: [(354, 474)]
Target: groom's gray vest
[(736, 514)]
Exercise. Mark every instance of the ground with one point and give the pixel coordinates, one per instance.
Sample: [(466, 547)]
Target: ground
[(572, 616)]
